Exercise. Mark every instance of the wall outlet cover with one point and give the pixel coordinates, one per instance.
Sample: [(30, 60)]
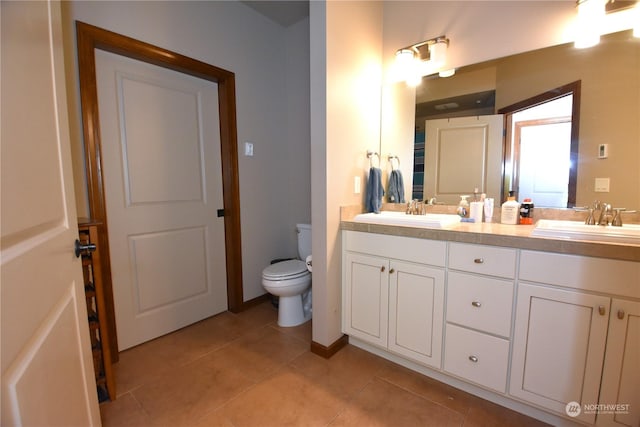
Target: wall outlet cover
[(602, 185)]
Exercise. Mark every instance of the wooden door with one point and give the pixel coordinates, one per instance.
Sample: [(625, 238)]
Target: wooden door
[(47, 370), (558, 348), (416, 305), (163, 187)]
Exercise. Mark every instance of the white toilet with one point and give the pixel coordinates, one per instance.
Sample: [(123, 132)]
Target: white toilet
[(291, 282)]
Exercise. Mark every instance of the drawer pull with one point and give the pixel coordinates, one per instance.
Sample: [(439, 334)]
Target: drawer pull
[(479, 260), (621, 314), (474, 359), (392, 271), (382, 269), (601, 310), (476, 304)]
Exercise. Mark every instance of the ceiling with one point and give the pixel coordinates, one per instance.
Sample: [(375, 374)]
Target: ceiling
[(285, 13)]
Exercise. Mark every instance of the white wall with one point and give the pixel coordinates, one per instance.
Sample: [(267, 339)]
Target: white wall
[(271, 68), (346, 47)]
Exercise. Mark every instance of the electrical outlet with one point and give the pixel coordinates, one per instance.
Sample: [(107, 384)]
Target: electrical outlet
[(602, 185)]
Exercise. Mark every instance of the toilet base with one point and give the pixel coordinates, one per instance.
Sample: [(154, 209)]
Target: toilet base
[(291, 313)]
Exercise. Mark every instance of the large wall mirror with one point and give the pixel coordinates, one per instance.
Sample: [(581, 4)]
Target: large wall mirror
[(607, 78)]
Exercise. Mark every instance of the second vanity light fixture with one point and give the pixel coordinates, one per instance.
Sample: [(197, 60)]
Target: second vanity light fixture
[(422, 59), (592, 14)]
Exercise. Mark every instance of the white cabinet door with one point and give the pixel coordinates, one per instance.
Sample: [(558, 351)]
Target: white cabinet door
[(621, 374), (416, 301), (558, 349), (366, 297)]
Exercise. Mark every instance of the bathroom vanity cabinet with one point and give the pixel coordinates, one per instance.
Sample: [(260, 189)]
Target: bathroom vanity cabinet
[(393, 303), (533, 327)]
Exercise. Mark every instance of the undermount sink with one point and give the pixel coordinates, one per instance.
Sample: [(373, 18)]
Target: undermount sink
[(429, 220), (577, 230)]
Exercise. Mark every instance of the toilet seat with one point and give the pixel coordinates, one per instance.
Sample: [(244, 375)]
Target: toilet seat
[(285, 270)]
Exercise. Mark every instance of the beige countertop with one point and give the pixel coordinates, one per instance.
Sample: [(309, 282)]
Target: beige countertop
[(496, 234)]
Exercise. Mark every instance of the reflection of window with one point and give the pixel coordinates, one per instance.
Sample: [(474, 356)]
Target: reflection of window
[(549, 125)]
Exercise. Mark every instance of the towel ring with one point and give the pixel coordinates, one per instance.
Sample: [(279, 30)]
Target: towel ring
[(391, 159), (370, 155)]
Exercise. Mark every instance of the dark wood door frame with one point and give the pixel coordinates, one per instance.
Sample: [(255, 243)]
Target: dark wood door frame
[(90, 38)]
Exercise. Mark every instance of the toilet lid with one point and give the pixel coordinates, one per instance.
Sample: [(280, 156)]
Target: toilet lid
[(290, 269)]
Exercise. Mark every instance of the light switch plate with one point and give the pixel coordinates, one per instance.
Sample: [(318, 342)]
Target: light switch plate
[(356, 185), (248, 149), (603, 151), (602, 185)]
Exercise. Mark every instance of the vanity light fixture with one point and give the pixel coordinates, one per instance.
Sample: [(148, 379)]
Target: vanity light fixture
[(421, 59), (596, 17), (590, 16)]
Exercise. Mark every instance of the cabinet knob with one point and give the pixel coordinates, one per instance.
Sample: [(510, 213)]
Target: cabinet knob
[(479, 260), (621, 314), (392, 271), (601, 310), (474, 359), (476, 304), (382, 269)]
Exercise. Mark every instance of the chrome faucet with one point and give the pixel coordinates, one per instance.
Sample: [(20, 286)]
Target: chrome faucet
[(605, 213), (415, 207)]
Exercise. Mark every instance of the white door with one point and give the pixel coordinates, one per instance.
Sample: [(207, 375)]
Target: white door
[(548, 144), (462, 154), (163, 187), (47, 367)]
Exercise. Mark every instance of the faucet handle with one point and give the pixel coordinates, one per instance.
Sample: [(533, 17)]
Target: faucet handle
[(590, 219)]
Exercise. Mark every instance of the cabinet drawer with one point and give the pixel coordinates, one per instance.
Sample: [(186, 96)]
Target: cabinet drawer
[(478, 302), (477, 357), (404, 248), (581, 272), (483, 259)]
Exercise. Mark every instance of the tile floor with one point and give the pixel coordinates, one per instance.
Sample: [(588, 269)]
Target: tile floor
[(239, 370)]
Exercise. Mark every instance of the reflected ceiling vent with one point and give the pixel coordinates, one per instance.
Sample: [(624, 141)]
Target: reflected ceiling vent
[(447, 106)]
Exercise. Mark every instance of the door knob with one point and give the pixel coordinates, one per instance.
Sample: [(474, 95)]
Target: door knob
[(80, 247)]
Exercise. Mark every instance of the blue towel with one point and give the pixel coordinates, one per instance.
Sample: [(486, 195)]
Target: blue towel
[(373, 198), (396, 187)]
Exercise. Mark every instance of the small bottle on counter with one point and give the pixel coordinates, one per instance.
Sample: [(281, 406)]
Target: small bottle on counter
[(526, 212), (510, 210)]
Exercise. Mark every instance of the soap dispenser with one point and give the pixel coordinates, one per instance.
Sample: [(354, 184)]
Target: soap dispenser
[(463, 207), (510, 213)]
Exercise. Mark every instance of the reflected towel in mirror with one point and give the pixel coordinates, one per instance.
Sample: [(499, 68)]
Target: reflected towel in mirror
[(396, 187)]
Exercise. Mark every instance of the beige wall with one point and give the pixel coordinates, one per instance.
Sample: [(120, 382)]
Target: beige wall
[(609, 108)]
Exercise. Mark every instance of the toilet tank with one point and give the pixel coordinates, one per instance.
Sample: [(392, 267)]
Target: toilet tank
[(304, 240)]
